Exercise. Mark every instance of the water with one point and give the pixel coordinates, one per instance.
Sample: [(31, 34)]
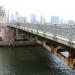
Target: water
[(28, 60)]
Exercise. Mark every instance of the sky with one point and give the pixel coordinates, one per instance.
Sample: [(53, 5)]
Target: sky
[(65, 9)]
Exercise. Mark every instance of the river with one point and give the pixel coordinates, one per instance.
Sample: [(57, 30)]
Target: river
[(28, 60)]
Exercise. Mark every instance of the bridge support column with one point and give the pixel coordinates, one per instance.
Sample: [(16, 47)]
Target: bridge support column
[(71, 59), (46, 46), (11, 37), (54, 49), (38, 41)]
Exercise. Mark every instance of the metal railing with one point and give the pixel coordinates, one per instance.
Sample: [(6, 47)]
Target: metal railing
[(66, 31)]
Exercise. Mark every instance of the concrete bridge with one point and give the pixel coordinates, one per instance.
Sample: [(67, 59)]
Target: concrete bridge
[(56, 38)]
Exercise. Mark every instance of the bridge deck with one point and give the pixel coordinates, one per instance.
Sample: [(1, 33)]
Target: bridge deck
[(60, 33)]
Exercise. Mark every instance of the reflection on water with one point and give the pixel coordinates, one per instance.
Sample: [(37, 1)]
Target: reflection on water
[(29, 60)]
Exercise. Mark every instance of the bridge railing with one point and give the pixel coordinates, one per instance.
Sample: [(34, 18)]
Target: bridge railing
[(66, 31)]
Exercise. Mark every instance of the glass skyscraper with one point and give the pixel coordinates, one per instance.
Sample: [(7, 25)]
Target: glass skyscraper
[(54, 19)]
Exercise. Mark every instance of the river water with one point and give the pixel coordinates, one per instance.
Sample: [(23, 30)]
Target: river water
[(28, 60)]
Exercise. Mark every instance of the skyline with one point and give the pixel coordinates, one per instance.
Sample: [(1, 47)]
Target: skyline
[(33, 19), (62, 8)]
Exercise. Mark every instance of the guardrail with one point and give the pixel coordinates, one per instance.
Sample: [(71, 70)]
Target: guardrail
[(63, 31), (67, 32)]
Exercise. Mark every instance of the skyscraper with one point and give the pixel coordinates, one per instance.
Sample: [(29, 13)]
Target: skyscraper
[(21, 19), (71, 22), (33, 18), (61, 21), (54, 19)]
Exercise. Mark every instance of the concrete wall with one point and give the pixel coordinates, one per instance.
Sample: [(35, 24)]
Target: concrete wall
[(2, 23)]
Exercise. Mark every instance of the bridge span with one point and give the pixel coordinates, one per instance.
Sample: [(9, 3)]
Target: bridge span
[(56, 38)]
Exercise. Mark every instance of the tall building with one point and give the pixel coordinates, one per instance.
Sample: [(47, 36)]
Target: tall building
[(12, 18), (61, 21), (54, 19), (22, 19), (33, 18), (71, 22), (42, 19)]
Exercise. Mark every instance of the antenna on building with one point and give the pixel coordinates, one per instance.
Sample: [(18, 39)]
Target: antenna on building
[(41, 18)]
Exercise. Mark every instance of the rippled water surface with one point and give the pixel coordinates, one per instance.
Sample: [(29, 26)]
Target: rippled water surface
[(28, 60)]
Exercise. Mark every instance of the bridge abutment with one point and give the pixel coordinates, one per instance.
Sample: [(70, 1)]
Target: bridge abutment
[(15, 37)]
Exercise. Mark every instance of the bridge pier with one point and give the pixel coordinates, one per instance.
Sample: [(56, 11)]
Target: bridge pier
[(71, 58), (37, 40), (54, 49), (18, 37), (44, 43), (11, 36)]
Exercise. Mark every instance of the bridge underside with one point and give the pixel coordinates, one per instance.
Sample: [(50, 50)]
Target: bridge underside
[(53, 46)]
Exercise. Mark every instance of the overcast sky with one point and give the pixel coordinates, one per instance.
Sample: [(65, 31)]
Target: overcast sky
[(63, 8)]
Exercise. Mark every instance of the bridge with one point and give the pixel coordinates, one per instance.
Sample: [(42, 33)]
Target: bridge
[(55, 38)]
